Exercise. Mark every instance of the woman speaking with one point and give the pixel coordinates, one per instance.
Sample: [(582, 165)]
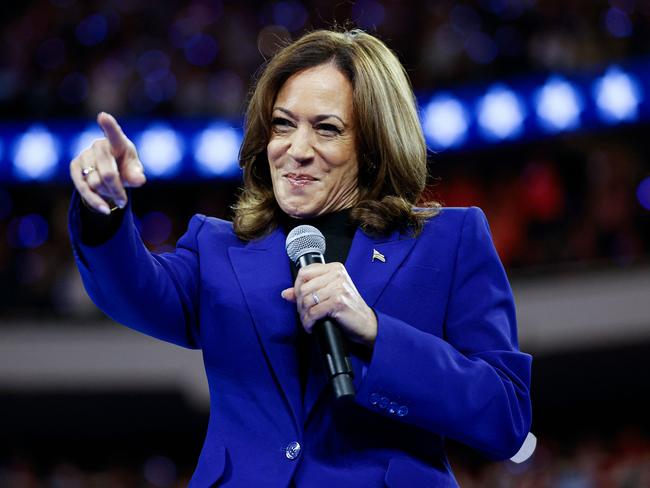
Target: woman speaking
[(332, 140)]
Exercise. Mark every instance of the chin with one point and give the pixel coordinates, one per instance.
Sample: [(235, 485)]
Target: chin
[(299, 214), (300, 210)]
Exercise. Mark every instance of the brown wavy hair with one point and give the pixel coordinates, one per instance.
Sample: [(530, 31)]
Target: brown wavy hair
[(391, 149)]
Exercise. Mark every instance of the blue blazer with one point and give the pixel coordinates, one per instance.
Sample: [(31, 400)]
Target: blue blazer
[(445, 363)]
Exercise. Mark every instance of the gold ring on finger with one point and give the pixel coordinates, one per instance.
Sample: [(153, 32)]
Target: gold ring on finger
[(87, 170)]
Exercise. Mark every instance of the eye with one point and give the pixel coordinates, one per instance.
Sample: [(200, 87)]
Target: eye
[(328, 128), (281, 124)]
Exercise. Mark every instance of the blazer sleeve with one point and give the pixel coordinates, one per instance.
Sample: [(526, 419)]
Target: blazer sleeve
[(473, 384), (156, 294)]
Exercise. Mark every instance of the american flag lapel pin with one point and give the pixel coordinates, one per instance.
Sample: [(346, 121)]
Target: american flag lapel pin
[(378, 256)]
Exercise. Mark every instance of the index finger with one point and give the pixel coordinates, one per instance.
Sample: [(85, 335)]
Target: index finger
[(113, 133), (312, 271)]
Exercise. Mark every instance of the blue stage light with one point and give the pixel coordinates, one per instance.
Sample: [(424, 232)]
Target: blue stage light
[(500, 113), (617, 96), (161, 150), (216, 151), (445, 122), (35, 154), (85, 139), (559, 105), (210, 148)]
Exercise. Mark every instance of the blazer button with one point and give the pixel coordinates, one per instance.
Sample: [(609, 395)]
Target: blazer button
[(383, 402), (402, 411), (374, 398), (292, 451), (393, 407)]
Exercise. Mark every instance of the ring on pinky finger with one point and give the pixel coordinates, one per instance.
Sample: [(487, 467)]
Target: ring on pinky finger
[(93, 180)]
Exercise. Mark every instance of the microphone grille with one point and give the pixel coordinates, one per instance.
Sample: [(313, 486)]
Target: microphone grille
[(304, 239)]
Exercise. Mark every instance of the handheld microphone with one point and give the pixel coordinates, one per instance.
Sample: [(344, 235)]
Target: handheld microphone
[(306, 245)]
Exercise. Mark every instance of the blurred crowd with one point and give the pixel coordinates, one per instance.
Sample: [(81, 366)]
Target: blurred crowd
[(621, 463), (73, 58), (574, 204)]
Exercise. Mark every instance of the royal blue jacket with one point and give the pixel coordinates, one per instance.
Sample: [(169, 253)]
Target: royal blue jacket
[(445, 363)]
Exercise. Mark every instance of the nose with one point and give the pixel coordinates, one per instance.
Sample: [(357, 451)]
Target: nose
[(301, 148)]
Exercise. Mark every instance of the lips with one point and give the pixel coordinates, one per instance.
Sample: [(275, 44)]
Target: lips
[(300, 177), (299, 180)]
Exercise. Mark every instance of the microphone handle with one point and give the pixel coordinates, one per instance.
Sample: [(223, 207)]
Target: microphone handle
[(332, 345)]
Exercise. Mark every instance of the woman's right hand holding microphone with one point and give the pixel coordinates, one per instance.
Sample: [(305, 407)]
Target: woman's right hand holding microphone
[(103, 171)]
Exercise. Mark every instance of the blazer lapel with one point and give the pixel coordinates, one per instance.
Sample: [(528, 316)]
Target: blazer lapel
[(262, 268), (370, 277)]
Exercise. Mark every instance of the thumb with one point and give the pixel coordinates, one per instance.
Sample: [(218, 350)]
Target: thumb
[(289, 295), (132, 173)]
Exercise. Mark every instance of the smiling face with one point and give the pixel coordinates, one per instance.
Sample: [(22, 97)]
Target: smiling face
[(312, 151)]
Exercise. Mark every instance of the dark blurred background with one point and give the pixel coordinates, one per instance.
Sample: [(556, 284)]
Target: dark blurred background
[(535, 110)]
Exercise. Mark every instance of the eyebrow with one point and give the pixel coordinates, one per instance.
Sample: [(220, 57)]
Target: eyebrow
[(318, 118)]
